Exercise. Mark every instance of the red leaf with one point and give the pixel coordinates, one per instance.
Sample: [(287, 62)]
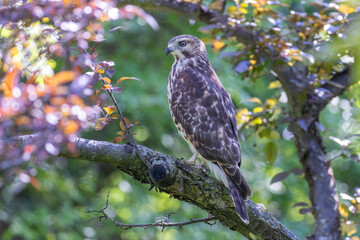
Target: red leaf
[(118, 139)]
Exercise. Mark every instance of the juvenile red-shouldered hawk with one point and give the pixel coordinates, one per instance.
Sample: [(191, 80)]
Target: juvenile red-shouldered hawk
[(204, 114)]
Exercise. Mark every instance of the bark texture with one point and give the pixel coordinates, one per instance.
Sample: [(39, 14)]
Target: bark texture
[(179, 179)]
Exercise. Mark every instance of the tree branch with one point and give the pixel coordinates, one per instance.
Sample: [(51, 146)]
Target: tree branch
[(162, 222), (177, 178), (304, 107)]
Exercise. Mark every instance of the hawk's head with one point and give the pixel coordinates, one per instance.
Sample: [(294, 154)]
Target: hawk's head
[(185, 46)]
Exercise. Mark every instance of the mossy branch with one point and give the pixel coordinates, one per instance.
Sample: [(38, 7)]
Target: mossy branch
[(179, 179)]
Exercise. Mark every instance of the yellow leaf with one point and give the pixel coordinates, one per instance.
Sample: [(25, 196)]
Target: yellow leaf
[(231, 9), (109, 110), (244, 5), (127, 121), (346, 9), (101, 71), (255, 100), (258, 109), (256, 121), (290, 64), (100, 124), (252, 62), (343, 210), (106, 86), (271, 102), (217, 45), (122, 126), (107, 80), (275, 84), (243, 10)]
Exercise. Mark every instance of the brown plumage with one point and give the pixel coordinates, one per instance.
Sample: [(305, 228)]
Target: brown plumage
[(204, 114)]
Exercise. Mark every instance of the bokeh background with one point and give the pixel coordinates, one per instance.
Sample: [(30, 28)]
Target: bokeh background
[(55, 207)]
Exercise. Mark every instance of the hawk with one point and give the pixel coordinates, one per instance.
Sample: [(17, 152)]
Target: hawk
[(204, 115)]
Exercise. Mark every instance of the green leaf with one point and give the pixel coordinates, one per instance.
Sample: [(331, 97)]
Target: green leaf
[(270, 151)]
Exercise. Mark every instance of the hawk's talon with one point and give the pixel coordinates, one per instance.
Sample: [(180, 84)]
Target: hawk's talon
[(192, 160)]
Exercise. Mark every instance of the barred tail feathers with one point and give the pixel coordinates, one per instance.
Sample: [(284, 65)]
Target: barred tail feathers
[(239, 189)]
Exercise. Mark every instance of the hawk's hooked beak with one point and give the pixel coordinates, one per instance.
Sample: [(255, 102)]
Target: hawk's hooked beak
[(168, 50)]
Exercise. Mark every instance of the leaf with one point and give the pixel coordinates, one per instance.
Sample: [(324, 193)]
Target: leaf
[(150, 20), (279, 177), (110, 71), (300, 204), (10, 81), (271, 102), (35, 183), (275, 84), (252, 62), (217, 45), (106, 64), (100, 124), (94, 78), (304, 122), (305, 210), (118, 139), (242, 66), (124, 78), (128, 124), (106, 86), (115, 116), (100, 71), (258, 109), (275, 135), (107, 80), (109, 110), (231, 54), (270, 152), (283, 175), (61, 78), (120, 133), (346, 9), (255, 100), (208, 27), (114, 29), (343, 210), (117, 89), (343, 143)]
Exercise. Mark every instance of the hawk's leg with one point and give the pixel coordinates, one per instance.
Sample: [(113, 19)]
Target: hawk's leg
[(192, 160)]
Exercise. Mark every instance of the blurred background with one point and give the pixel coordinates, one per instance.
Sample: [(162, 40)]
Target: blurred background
[(53, 208)]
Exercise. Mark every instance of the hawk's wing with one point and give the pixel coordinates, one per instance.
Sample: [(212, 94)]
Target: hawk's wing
[(204, 110)]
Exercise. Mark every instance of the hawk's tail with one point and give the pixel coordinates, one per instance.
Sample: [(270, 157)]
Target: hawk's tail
[(240, 190)]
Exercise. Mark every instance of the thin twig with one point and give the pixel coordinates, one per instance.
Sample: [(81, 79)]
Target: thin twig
[(164, 221), (128, 133)]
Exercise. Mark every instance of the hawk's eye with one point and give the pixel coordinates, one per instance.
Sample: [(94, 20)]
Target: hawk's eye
[(182, 43)]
